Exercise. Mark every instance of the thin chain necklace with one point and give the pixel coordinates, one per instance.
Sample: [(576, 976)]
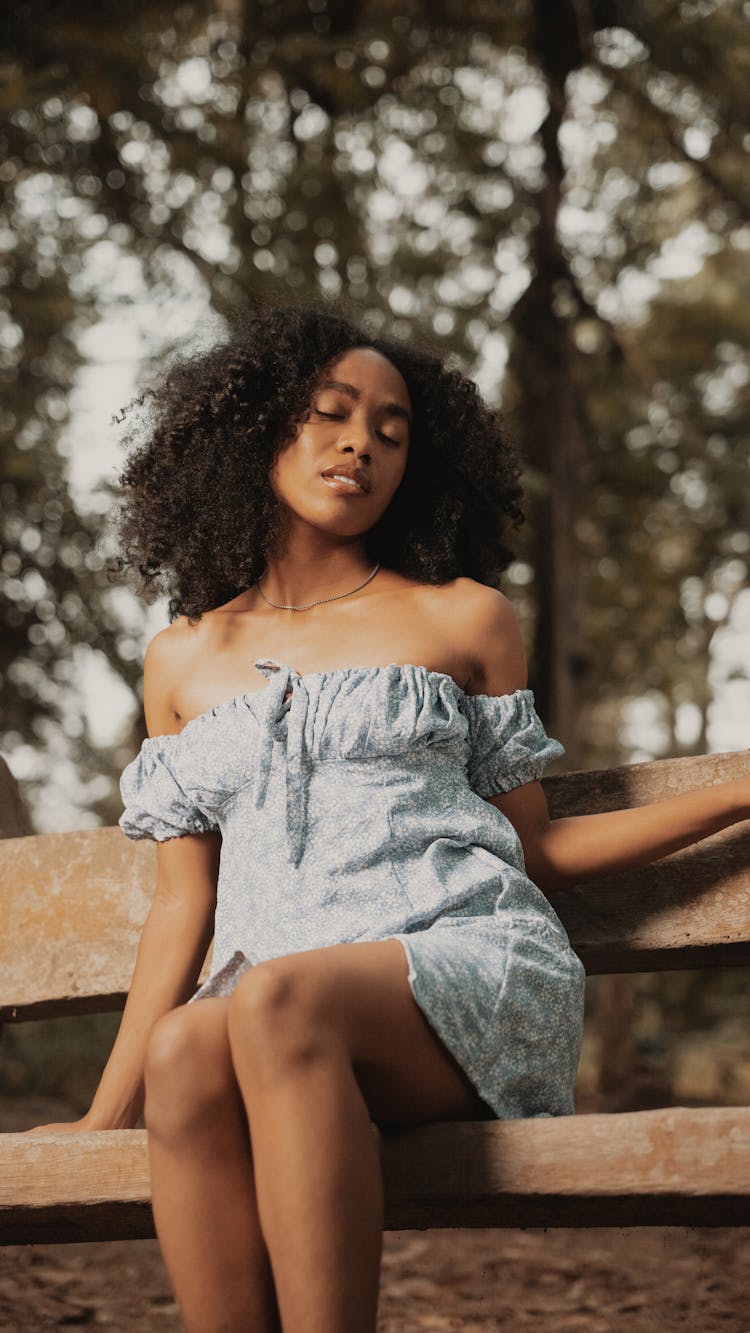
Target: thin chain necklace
[(322, 599)]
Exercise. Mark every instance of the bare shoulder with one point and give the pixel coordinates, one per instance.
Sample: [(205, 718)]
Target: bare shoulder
[(487, 623), (169, 656)]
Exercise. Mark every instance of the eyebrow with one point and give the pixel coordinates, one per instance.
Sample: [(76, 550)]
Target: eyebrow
[(393, 409)]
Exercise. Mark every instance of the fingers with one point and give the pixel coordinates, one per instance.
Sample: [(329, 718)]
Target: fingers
[(61, 1128)]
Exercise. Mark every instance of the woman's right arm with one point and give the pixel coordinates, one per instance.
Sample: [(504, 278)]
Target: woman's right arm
[(172, 948), (175, 937)]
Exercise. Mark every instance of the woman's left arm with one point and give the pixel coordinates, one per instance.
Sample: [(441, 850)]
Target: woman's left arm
[(580, 847)]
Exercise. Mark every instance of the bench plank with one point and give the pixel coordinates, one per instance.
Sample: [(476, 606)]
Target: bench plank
[(677, 1166), (72, 905), (687, 910)]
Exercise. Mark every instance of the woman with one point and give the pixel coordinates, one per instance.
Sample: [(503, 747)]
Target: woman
[(342, 777)]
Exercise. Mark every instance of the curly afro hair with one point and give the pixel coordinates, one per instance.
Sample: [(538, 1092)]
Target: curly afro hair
[(198, 517)]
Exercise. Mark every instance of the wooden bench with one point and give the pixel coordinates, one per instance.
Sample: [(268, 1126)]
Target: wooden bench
[(71, 909)]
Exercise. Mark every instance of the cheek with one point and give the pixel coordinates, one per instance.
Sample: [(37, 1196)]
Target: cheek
[(288, 469), (398, 472), (275, 477)]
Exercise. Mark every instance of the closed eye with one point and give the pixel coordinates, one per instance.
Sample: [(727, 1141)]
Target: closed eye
[(333, 416)]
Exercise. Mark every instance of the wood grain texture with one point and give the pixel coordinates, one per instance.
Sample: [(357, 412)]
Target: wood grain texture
[(687, 910), (72, 905), (678, 1166), (71, 911)]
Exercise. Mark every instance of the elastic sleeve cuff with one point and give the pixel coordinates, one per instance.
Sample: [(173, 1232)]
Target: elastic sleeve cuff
[(157, 804), (509, 745)]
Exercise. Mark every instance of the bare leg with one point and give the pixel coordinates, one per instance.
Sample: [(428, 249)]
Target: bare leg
[(317, 1160), (202, 1177), (321, 1041)]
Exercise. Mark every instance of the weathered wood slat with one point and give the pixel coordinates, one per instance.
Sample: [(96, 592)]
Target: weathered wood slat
[(679, 1166), (688, 910), (589, 790), (72, 905)]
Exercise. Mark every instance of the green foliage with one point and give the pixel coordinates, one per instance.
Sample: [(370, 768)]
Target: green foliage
[(508, 177), (428, 164)]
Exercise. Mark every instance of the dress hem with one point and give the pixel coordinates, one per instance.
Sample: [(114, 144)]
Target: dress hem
[(448, 1038)]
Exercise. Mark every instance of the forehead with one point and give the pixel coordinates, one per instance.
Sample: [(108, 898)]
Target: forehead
[(368, 370)]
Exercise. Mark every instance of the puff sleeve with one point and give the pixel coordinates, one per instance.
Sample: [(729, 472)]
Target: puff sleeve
[(161, 792), (508, 745)]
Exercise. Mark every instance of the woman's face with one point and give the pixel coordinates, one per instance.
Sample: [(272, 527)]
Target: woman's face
[(358, 420)]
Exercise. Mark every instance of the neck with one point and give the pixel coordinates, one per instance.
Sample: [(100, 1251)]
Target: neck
[(296, 581)]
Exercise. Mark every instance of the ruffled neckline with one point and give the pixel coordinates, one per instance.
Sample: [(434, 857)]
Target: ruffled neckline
[(402, 712), (425, 672)]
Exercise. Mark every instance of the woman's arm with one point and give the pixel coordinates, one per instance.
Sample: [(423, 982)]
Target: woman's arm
[(171, 951), (176, 935), (581, 847)]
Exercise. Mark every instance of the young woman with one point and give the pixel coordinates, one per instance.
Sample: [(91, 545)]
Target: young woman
[(342, 777)]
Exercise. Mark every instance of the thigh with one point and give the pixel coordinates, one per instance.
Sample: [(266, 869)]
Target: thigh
[(405, 1071)]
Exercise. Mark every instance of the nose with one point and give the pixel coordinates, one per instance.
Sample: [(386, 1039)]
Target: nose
[(358, 434), (363, 453), (356, 441)]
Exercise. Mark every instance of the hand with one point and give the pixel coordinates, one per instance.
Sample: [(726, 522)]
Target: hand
[(94, 1119), (61, 1127), (87, 1124)]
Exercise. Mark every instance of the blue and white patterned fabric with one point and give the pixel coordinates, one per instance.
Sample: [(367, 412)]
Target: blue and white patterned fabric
[(353, 810)]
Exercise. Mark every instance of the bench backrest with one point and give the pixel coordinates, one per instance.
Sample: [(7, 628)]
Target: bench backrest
[(72, 905)]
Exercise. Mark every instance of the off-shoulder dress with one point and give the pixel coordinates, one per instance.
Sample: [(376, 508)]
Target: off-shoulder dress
[(350, 805)]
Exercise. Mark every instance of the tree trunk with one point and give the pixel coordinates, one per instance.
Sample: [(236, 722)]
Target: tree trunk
[(551, 432)]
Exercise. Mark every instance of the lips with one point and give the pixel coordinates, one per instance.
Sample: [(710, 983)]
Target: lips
[(344, 487), (357, 474)]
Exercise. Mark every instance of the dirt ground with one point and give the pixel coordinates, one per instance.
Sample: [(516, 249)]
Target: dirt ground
[(600, 1280)]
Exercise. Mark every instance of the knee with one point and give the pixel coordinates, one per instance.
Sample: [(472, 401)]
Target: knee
[(187, 1068), (169, 1045), (275, 1016)]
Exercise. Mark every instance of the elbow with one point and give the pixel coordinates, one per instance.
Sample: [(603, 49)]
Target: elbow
[(544, 876), (540, 869)]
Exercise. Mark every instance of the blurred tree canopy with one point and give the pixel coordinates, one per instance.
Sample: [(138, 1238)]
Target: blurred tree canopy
[(559, 191)]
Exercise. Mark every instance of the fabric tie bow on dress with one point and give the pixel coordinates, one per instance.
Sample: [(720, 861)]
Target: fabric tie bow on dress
[(278, 713)]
